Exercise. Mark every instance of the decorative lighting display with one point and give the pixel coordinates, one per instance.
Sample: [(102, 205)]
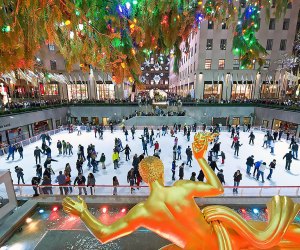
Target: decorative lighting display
[(110, 34)]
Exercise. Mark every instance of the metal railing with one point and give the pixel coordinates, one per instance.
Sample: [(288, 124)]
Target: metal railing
[(32, 139), (25, 190)]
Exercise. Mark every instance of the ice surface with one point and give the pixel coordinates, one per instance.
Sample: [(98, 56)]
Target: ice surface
[(104, 177)]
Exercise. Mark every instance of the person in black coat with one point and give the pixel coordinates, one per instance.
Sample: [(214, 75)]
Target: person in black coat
[(127, 152), (252, 137), (35, 181), (288, 160), (39, 170), (201, 176), (37, 154), (214, 166), (249, 163), (237, 146), (181, 171), (221, 177)]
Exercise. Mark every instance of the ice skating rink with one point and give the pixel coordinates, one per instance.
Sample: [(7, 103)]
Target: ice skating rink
[(104, 177)]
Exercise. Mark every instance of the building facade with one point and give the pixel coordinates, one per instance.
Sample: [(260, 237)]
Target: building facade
[(210, 70)]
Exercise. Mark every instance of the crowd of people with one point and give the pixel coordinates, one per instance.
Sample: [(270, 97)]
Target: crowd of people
[(144, 99), (43, 179)]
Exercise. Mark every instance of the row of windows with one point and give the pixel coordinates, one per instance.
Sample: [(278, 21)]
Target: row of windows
[(223, 44), (285, 26), (272, 24), (282, 46), (221, 66)]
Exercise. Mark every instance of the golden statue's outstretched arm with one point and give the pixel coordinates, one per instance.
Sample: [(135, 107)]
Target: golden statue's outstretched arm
[(282, 211), (102, 232), (213, 186)]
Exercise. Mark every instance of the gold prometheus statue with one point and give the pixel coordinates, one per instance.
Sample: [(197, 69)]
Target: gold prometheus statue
[(172, 213)]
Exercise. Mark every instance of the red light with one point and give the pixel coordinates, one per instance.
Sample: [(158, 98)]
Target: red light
[(104, 210), (54, 209), (123, 210), (243, 210)]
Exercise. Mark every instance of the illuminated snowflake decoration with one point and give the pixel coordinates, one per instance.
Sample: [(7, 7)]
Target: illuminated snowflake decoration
[(156, 78), (157, 67), (143, 79), (147, 63)]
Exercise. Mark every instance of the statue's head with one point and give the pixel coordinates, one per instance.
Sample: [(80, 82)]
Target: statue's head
[(151, 169)]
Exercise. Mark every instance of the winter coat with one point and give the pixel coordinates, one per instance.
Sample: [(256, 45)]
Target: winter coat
[(288, 156), (102, 158), (250, 161), (115, 156), (237, 177), (91, 181), (181, 172), (221, 177), (80, 181)]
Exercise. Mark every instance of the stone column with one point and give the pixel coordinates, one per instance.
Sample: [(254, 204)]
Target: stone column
[(257, 86)]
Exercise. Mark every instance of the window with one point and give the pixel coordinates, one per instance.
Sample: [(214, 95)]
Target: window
[(207, 64), (243, 3), (236, 64), (212, 90), (195, 48), (241, 90), (223, 44), (222, 64), (286, 24), (210, 25), (51, 88), (267, 64), (272, 24), (78, 90), (192, 51), (283, 44), (104, 91), (223, 26), (52, 64), (289, 6), (269, 44), (51, 47), (209, 44)]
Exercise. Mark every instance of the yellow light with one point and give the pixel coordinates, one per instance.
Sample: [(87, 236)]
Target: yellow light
[(130, 79), (28, 220), (68, 22), (135, 20), (123, 65), (132, 26)]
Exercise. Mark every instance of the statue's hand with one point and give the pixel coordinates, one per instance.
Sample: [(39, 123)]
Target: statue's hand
[(200, 143), (74, 207)]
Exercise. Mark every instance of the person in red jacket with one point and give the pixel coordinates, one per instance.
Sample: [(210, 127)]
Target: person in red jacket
[(235, 139)]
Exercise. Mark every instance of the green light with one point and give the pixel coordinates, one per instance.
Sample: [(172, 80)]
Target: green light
[(77, 12), (134, 2)]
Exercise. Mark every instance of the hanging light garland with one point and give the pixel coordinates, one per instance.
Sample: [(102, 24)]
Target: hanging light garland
[(115, 36)]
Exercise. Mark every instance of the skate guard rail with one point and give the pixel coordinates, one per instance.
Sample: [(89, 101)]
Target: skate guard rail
[(30, 140), (35, 138), (26, 190)]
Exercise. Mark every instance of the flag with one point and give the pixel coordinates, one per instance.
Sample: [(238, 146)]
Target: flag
[(231, 79), (218, 78), (213, 79), (243, 79), (222, 79), (252, 80), (246, 82), (79, 77)]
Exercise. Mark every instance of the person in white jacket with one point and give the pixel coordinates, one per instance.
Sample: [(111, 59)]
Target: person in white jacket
[(272, 146), (261, 171)]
